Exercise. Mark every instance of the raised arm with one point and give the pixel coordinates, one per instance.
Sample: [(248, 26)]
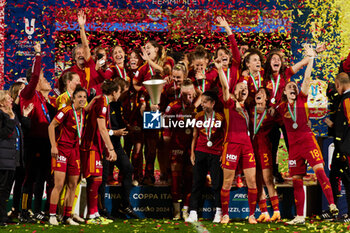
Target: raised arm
[(223, 23), (223, 81), (236, 57), (298, 66), (29, 91), (154, 65), (310, 54), (84, 40)]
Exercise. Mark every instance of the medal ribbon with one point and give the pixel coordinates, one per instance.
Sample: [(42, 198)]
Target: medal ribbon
[(256, 85), (208, 135), (176, 96), (151, 70), (228, 75), (68, 95), (79, 129), (275, 86), (294, 117), (256, 124), (121, 75), (246, 117), (108, 112)]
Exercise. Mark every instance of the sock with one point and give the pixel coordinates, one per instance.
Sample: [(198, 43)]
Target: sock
[(67, 211), (175, 186), (77, 192), (225, 200), (187, 200), (263, 206), (92, 191), (299, 196), (24, 201), (252, 197), (53, 209), (275, 203), (218, 211), (325, 185)]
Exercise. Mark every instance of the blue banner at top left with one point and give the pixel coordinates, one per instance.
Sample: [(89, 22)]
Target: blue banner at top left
[(26, 25)]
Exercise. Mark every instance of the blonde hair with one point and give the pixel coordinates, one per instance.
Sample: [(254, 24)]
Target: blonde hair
[(14, 89), (181, 67), (3, 95)]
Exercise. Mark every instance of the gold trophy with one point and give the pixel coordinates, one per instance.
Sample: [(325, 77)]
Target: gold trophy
[(154, 88)]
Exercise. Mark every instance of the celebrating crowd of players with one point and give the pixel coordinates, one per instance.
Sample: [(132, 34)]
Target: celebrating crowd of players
[(96, 102)]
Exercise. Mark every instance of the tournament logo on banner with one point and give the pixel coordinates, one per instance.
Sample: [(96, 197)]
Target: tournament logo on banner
[(317, 99), (29, 24)]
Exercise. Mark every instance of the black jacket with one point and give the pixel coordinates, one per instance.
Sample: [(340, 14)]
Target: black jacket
[(117, 121), (7, 142), (23, 127), (341, 127)]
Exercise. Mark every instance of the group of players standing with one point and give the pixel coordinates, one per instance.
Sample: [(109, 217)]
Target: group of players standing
[(243, 101)]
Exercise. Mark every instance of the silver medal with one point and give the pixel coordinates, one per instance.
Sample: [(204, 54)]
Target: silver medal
[(209, 144), (295, 125)]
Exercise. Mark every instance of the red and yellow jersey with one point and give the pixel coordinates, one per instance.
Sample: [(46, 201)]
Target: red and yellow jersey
[(91, 139), (217, 134), (208, 83), (236, 124), (89, 77), (145, 72), (67, 130), (253, 85), (296, 135), (284, 79), (175, 112)]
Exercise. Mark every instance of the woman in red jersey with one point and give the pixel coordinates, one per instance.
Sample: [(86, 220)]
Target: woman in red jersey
[(171, 92), (231, 60), (118, 69), (252, 73), (302, 142), (237, 145), (260, 125), (97, 143), (156, 60), (276, 75), (157, 66), (65, 152), (205, 154), (202, 77)]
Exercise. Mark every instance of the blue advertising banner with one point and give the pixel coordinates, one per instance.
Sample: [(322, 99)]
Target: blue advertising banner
[(156, 202), (27, 24)]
